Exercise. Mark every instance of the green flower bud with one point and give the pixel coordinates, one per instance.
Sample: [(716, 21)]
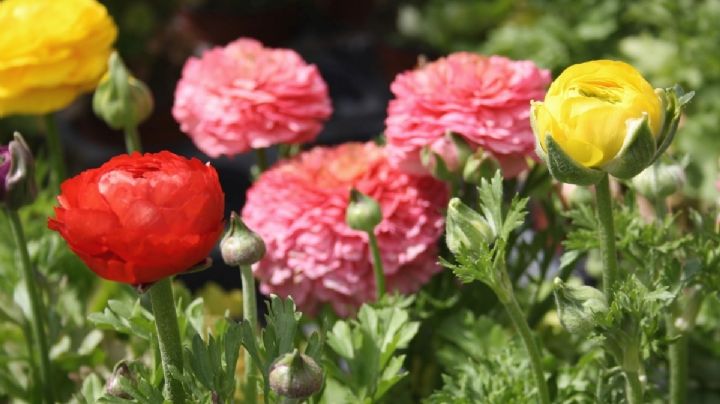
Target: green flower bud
[(660, 180), (296, 376), (578, 306), (17, 174), (478, 166), (113, 386), (465, 228), (240, 245), (363, 212), (120, 99)]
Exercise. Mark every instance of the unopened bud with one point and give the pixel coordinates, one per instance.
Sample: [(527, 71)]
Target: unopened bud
[(17, 174), (660, 180), (240, 245), (465, 228), (113, 386), (363, 212), (120, 99), (296, 376), (578, 306)]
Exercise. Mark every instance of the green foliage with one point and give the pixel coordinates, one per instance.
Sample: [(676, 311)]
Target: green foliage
[(362, 364)]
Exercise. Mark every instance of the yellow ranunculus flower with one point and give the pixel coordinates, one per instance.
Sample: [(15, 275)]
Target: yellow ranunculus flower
[(50, 52), (592, 107)]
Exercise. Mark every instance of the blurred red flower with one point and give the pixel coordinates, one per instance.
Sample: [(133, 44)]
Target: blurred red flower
[(298, 208), (140, 218)]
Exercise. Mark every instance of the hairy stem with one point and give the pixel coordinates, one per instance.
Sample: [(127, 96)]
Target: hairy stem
[(607, 235), (36, 307), (518, 319), (633, 388), (166, 322), (250, 314)]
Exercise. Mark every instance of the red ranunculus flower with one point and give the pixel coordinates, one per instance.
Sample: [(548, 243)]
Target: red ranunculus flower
[(140, 218)]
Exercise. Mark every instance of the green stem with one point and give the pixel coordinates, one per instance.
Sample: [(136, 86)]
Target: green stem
[(55, 151), (633, 388), (250, 314), (166, 323), (262, 160), (678, 362), (377, 266), (36, 307), (132, 139), (607, 235), (518, 319)]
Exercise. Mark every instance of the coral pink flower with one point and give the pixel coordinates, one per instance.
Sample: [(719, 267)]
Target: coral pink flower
[(298, 207), (245, 96), (486, 100)]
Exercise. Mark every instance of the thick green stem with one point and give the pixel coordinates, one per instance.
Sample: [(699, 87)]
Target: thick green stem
[(678, 362), (55, 152), (36, 307), (250, 314), (633, 388), (377, 266), (607, 235), (518, 319), (132, 139), (163, 306)]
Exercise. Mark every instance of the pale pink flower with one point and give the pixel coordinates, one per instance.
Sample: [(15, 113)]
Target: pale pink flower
[(244, 96), (298, 207), (486, 100)]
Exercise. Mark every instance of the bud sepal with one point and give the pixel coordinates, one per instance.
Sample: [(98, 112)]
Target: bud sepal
[(295, 375), (579, 306), (363, 212), (18, 187), (241, 246)]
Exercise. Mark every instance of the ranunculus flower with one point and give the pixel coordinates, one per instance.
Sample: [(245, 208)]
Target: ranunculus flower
[(140, 218), (483, 99), (50, 52), (603, 116), (298, 207), (244, 96)]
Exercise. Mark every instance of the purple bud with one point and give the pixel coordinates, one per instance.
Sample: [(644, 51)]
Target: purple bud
[(17, 174), (4, 169)]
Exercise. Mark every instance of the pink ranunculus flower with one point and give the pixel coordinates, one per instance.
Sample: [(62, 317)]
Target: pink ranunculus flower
[(298, 207), (486, 100), (244, 96)]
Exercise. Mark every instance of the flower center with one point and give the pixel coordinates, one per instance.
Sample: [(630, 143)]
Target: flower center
[(603, 91)]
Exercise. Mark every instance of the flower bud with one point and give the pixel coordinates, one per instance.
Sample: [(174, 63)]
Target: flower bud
[(363, 212), (465, 228), (478, 166), (659, 180), (120, 99), (446, 159), (17, 174), (113, 387), (296, 376), (240, 245), (578, 306)]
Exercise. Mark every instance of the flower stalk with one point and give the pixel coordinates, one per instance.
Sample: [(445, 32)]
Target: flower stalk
[(518, 319), (249, 314), (678, 362), (132, 139), (55, 151), (36, 307), (607, 235), (166, 323)]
